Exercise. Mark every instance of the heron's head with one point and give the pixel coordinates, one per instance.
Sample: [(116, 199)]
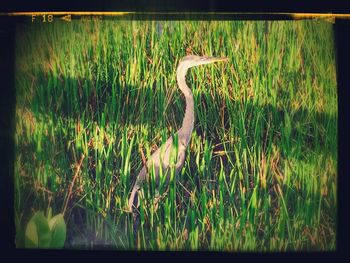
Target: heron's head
[(193, 60)]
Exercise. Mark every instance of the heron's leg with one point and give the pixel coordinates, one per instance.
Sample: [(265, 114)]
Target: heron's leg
[(135, 216), (136, 224)]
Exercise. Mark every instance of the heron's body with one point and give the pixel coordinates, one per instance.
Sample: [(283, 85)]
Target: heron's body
[(161, 158)]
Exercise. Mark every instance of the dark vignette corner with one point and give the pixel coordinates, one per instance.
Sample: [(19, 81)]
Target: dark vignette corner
[(7, 104), (342, 31)]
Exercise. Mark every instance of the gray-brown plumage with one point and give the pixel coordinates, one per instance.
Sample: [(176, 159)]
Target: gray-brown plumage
[(160, 159)]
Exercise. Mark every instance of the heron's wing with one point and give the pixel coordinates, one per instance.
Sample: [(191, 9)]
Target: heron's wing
[(133, 199), (180, 160), (160, 158), (140, 177), (161, 155)]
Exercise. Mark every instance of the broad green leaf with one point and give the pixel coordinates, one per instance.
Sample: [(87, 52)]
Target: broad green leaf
[(44, 235), (31, 235), (38, 232), (58, 230)]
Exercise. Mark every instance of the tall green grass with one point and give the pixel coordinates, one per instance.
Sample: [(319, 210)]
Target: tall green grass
[(261, 168)]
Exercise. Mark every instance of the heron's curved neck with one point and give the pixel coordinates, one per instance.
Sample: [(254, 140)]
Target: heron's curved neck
[(187, 124)]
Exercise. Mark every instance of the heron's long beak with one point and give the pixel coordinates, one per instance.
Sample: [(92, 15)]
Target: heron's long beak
[(209, 60), (217, 59)]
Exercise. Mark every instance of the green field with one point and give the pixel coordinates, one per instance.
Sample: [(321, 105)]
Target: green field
[(261, 168)]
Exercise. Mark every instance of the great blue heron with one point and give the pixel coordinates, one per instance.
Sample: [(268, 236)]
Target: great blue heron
[(160, 159)]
